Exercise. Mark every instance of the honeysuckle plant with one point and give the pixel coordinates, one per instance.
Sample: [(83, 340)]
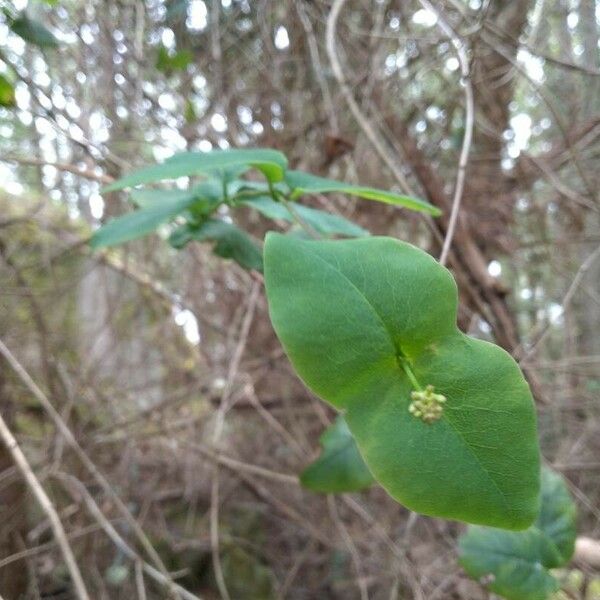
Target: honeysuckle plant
[(445, 423)]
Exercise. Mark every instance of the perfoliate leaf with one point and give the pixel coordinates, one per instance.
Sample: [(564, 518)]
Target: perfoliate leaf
[(515, 564), (7, 92), (33, 31), (230, 242), (319, 220), (270, 162), (140, 222), (304, 183), (360, 320), (340, 468)]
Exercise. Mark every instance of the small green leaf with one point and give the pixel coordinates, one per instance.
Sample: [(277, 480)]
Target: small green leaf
[(516, 564), (7, 92), (140, 222), (211, 191), (320, 221), (363, 320), (173, 61), (340, 468), (146, 198), (189, 112), (230, 242), (304, 183), (270, 162), (33, 31)]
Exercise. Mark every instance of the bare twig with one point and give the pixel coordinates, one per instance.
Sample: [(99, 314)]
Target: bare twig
[(463, 59), (218, 431), (361, 119), (73, 484), (37, 162), (81, 454), (139, 580), (364, 592), (47, 507), (316, 64), (540, 335)]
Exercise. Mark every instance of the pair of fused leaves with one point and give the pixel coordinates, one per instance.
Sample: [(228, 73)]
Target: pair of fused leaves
[(362, 321), (274, 198), (516, 564)]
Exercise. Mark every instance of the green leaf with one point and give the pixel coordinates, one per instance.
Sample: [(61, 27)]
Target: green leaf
[(515, 564), (558, 516), (33, 31), (146, 198), (320, 221), (7, 92), (270, 162), (210, 191), (140, 222), (230, 242), (304, 183), (340, 468), (508, 562), (189, 112), (355, 317), (177, 61)]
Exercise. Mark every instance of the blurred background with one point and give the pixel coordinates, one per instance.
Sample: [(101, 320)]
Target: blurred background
[(142, 350)]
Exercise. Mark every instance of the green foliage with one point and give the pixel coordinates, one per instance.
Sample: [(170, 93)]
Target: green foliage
[(33, 31), (270, 162), (558, 516), (516, 564), (7, 92), (230, 242), (220, 173), (445, 423), (340, 467), (370, 325), (140, 222), (366, 322), (167, 61), (322, 222), (304, 183)]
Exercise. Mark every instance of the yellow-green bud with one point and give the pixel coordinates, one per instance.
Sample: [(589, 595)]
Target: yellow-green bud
[(427, 405)]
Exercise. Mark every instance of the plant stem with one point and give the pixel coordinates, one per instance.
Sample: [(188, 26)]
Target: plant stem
[(409, 373)]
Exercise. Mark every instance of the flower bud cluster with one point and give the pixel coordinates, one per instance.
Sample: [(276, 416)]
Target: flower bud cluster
[(427, 405)]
